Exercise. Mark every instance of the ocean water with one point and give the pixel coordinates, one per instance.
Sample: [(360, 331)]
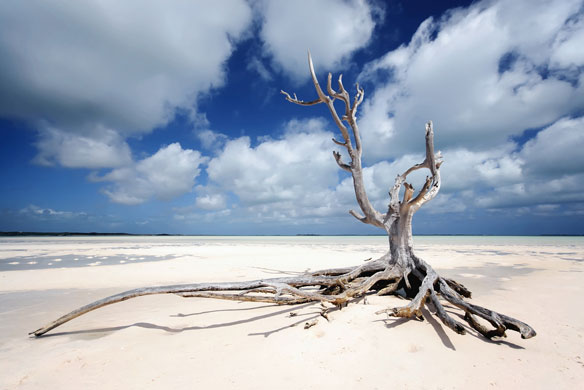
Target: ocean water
[(30, 253), (309, 240)]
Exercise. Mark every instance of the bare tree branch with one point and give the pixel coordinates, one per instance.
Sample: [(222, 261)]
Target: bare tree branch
[(299, 102), (358, 216), (423, 191), (329, 103), (371, 215), (340, 162)]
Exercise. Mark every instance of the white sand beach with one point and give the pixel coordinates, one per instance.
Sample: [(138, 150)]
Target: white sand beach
[(169, 342)]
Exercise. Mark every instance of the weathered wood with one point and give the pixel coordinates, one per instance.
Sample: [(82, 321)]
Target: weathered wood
[(398, 268)]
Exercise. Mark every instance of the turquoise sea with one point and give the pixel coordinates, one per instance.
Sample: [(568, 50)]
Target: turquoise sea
[(29, 253), (309, 240)]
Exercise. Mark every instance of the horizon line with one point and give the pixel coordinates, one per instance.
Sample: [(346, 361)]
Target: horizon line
[(66, 234)]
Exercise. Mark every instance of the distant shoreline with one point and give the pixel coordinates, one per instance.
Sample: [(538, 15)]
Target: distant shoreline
[(102, 234)]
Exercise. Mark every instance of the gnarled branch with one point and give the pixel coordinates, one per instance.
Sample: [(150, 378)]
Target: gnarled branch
[(371, 215), (432, 161)]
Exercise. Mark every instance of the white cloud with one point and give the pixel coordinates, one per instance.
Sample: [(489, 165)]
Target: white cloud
[(546, 170), (332, 30), (104, 148), (277, 170), (294, 179), (167, 174), (210, 139), (567, 48), (485, 74), (256, 64), (556, 150), (122, 65), (469, 169), (291, 179), (211, 202), (479, 73), (565, 189), (50, 214)]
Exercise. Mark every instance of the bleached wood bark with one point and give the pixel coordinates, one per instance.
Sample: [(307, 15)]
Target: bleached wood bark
[(399, 269)]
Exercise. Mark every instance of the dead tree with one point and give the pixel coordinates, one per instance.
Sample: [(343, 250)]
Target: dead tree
[(399, 271)]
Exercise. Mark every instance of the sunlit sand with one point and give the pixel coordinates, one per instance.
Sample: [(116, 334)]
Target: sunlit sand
[(168, 342)]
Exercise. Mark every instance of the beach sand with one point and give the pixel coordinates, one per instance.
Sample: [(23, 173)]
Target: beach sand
[(168, 342)]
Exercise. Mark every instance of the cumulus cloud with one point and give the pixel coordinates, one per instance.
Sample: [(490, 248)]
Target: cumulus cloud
[(482, 73), (211, 202), (332, 30), (124, 66), (546, 171), (291, 179), (552, 169), (567, 51), (167, 174), (557, 150), (470, 169), (211, 140), (276, 169), (103, 149), (561, 190)]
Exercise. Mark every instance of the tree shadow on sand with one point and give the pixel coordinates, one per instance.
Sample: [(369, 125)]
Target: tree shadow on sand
[(393, 322), (100, 332)]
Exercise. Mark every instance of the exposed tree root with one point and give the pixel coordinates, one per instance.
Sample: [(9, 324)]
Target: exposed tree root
[(338, 287)]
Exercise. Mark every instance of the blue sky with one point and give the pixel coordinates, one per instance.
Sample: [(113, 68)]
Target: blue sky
[(166, 117)]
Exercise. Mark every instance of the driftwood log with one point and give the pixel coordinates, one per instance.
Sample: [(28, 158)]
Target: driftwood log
[(399, 271)]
